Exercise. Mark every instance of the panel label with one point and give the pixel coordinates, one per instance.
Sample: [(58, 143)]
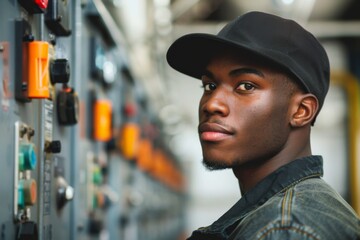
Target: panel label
[(47, 187), (48, 120)]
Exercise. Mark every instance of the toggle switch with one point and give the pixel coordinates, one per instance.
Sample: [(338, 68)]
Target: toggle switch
[(65, 193), (67, 107), (27, 157), (53, 147), (59, 71), (38, 67)]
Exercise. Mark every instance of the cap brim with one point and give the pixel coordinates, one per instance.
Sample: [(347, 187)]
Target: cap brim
[(191, 53)]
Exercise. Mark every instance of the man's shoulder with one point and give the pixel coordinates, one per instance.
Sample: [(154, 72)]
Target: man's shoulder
[(306, 210)]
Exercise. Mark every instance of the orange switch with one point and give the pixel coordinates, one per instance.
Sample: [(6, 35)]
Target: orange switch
[(38, 82), (102, 120)]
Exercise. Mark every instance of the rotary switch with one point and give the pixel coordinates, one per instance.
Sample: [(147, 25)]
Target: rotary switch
[(65, 193), (67, 107), (59, 71)]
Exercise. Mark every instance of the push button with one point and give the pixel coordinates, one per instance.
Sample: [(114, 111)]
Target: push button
[(27, 157), (27, 191)]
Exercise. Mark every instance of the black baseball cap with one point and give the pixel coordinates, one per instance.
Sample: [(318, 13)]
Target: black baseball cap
[(280, 41)]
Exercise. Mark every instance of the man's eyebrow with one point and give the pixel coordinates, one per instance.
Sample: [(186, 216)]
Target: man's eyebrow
[(208, 74), (240, 71), (236, 72)]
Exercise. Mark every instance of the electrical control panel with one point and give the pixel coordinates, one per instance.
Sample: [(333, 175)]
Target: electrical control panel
[(77, 158), (86, 152)]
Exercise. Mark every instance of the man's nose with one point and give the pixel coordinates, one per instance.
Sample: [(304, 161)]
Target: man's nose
[(216, 103)]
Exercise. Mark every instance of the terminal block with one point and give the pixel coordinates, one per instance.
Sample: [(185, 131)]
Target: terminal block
[(25, 192)]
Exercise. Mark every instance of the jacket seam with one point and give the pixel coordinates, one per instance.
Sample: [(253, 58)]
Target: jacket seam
[(286, 207)]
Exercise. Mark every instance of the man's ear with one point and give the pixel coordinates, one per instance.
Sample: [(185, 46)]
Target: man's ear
[(304, 110)]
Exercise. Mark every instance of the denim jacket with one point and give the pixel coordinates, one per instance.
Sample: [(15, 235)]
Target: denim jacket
[(291, 203)]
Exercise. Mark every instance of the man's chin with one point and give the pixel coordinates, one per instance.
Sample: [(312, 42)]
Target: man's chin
[(214, 165)]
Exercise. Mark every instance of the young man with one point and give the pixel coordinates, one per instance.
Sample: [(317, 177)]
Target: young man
[(265, 79)]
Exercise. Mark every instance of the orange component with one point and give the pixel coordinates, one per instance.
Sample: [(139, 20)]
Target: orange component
[(157, 161), (30, 191), (144, 159), (38, 82), (102, 120), (129, 140), (100, 200)]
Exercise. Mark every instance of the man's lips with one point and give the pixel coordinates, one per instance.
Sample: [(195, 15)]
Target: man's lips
[(213, 132)]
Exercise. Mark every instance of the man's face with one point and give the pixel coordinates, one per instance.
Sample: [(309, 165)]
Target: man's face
[(243, 113)]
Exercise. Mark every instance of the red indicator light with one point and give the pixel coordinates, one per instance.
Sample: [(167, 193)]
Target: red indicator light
[(42, 3)]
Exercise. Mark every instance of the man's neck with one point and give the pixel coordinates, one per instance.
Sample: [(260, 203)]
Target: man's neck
[(250, 174)]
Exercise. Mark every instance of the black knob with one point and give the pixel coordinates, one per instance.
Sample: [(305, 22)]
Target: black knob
[(27, 231), (95, 226), (67, 107), (53, 147), (59, 71)]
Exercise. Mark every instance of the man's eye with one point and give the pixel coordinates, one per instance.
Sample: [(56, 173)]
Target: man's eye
[(209, 86), (246, 87)]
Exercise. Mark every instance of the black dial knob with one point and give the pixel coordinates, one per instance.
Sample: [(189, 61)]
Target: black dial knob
[(53, 147), (59, 71)]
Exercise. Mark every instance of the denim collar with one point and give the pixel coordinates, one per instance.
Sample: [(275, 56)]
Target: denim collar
[(278, 181)]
